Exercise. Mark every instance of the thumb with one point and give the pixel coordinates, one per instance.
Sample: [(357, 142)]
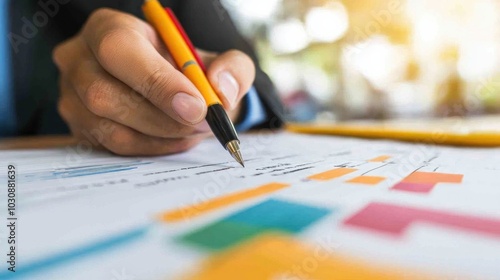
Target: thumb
[(231, 74)]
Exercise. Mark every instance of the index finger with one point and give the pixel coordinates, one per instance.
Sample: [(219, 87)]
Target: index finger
[(125, 47)]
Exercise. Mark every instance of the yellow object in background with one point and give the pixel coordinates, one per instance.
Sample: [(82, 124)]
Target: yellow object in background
[(480, 132)]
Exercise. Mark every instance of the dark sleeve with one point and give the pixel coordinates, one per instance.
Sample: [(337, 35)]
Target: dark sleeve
[(211, 28), (35, 76)]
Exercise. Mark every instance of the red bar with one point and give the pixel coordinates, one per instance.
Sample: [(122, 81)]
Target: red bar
[(186, 38)]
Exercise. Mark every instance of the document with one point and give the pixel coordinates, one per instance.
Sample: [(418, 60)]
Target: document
[(305, 207)]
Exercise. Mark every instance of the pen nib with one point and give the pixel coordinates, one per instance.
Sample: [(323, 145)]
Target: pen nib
[(234, 149)]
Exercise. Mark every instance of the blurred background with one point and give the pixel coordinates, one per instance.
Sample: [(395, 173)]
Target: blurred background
[(377, 59)]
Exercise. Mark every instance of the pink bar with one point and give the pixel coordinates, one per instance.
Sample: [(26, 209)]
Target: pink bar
[(395, 220)]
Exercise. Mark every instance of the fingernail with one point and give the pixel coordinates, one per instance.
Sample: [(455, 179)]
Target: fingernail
[(188, 107), (229, 87)]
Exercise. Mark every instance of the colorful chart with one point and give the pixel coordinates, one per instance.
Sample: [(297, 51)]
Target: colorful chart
[(271, 215), (315, 216)]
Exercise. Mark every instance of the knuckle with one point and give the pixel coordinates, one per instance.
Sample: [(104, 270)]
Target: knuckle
[(60, 54), (156, 85), (121, 141), (62, 108), (108, 44), (57, 55), (95, 98)]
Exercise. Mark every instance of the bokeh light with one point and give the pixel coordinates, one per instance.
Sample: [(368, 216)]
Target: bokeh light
[(378, 58), (288, 36), (327, 24)]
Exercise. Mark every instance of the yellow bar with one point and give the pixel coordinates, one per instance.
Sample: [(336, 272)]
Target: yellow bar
[(366, 180), (178, 48), (380, 159), (202, 208), (332, 174), (281, 257)]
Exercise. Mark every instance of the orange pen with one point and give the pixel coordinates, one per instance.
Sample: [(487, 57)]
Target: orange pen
[(217, 118)]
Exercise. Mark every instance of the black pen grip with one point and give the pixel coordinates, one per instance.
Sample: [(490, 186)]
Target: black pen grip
[(221, 125)]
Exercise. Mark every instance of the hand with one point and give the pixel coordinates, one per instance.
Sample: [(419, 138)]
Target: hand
[(120, 90)]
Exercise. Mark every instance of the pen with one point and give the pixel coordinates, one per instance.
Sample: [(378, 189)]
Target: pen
[(186, 60)]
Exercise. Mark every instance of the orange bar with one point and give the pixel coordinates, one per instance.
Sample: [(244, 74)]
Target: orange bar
[(433, 178), (273, 257), (332, 174), (380, 159), (220, 202), (367, 180)]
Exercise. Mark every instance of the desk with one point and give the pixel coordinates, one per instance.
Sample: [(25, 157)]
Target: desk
[(37, 142)]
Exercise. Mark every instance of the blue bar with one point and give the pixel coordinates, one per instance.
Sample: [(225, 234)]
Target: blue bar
[(57, 260)]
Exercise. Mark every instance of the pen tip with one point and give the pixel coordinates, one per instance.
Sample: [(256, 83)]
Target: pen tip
[(237, 156), (242, 163), (234, 149)]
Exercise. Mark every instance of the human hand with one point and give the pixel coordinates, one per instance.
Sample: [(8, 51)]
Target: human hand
[(120, 89)]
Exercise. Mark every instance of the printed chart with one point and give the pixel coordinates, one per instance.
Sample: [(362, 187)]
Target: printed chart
[(304, 208)]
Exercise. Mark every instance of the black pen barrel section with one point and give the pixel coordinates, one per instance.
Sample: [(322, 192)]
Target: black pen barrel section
[(221, 125)]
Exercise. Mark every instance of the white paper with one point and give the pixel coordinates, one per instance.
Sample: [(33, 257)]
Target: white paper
[(70, 198)]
